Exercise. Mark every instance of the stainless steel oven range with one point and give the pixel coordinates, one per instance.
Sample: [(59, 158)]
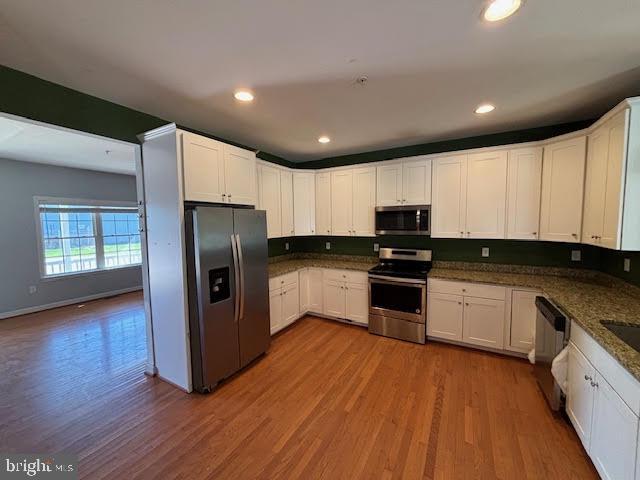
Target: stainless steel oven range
[(398, 294)]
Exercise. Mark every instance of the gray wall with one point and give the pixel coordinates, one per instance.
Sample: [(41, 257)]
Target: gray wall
[(19, 261)]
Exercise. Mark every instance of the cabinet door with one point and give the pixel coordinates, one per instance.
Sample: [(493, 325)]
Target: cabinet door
[(203, 169), (486, 195), (616, 164), (304, 200), (449, 197), (334, 298), (341, 202), (290, 304), (315, 290), (323, 204), (286, 202), (269, 188), (580, 394), (389, 185), (275, 309), (364, 202), (562, 190), (357, 302), (614, 435), (595, 185), (240, 175), (416, 182), (444, 318), (304, 287), (523, 320), (483, 322), (523, 193)]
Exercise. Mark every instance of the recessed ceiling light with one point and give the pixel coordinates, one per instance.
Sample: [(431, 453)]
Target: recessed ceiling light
[(485, 108), (243, 95), (500, 9), (324, 139)]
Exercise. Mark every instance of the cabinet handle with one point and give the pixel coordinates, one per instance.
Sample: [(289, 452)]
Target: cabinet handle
[(459, 303), (574, 235), (588, 378), (404, 200), (312, 231), (224, 195), (466, 304), (594, 384), (328, 231), (534, 233), (461, 233)]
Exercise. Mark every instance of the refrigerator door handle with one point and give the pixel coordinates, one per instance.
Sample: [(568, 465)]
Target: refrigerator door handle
[(241, 268), (236, 271)]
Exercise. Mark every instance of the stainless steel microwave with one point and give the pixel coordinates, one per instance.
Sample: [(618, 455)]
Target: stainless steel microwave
[(403, 220)]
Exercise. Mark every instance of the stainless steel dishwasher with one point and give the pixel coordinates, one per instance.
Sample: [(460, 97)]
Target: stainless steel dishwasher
[(552, 335)]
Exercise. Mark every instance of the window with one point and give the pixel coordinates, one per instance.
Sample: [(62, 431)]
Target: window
[(80, 236)]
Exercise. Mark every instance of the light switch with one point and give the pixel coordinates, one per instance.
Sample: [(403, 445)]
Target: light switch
[(376, 247), (627, 264), (485, 251), (286, 245), (327, 245), (576, 255)]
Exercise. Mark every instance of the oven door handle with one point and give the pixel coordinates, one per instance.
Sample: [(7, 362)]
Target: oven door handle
[(385, 279)]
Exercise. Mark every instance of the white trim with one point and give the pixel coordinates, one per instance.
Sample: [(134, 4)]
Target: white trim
[(64, 303), (84, 202), (158, 132)]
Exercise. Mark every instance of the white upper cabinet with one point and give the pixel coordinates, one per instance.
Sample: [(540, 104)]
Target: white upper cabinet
[(341, 202), (323, 203), (304, 201), (523, 193), (239, 175), (389, 185), (448, 213), (404, 183), (203, 167), (607, 178), (364, 202), (269, 193), (562, 190), (217, 172), (286, 202), (353, 200), (486, 194), (416, 181)]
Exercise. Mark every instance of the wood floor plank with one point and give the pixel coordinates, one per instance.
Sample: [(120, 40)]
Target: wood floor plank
[(328, 400)]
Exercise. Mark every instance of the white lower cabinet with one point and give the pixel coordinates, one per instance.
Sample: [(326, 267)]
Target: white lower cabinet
[(284, 301), (346, 295), (444, 317), (601, 398), (521, 328), (275, 310), (483, 322), (311, 290), (466, 312)]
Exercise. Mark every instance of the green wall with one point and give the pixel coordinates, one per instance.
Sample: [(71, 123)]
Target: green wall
[(549, 254), (504, 138)]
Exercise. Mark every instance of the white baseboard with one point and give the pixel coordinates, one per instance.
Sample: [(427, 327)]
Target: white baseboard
[(64, 303)]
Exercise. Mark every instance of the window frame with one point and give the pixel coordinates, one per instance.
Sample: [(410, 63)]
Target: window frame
[(98, 235)]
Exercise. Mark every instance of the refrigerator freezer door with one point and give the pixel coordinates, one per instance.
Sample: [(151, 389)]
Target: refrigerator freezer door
[(215, 281), (251, 238)]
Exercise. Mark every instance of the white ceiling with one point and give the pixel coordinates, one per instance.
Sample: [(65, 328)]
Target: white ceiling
[(429, 64), (30, 142)]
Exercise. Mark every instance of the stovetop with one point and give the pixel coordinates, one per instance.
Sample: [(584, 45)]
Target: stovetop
[(415, 270)]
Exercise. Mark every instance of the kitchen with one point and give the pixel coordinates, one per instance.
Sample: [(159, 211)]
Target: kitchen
[(335, 286)]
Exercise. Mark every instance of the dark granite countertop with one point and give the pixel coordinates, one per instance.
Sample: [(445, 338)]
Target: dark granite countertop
[(290, 263), (588, 297)]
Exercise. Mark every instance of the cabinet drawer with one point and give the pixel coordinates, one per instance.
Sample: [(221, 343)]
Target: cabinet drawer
[(350, 276), (467, 289), (624, 384), (283, 280)]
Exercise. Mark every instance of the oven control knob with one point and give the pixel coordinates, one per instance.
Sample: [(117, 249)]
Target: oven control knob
[(417, 310)]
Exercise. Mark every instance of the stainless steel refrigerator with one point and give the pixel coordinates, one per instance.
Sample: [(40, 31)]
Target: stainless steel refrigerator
[(228, 290)]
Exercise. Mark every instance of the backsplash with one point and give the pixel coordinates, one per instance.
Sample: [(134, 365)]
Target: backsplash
[(516, 252)]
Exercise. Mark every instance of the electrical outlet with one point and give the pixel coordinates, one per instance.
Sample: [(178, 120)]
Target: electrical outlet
[(286, 245), (576, 255), (627, 264), (327, 245), (33, 289), (376, 247), (485, 251)]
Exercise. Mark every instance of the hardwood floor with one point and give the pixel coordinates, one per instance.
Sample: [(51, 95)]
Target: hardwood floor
[(327, 401)]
